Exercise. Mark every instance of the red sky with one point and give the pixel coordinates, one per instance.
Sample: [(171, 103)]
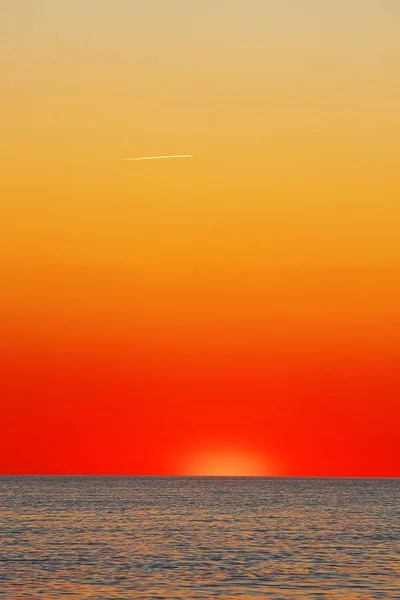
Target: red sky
[(109, 409)]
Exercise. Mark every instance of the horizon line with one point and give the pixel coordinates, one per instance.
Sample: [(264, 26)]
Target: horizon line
[(201, 476)]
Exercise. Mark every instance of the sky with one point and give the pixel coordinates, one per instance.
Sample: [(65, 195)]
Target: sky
[(237, 312)]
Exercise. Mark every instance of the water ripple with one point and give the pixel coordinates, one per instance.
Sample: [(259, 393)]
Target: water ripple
[(225, 538)]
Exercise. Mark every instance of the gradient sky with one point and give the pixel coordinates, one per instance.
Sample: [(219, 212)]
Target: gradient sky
[(239, 307)]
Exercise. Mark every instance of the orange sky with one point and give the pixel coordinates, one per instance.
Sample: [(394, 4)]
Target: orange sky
[(238, 309)]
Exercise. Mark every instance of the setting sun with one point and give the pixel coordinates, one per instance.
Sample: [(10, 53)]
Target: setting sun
[(226, 462)]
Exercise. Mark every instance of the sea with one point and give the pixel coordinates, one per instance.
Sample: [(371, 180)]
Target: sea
[(199, 537)]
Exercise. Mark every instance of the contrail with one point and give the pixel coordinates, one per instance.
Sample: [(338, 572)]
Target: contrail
[(160, 157)]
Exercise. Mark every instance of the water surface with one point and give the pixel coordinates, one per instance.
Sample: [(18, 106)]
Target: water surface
[(155, 537)]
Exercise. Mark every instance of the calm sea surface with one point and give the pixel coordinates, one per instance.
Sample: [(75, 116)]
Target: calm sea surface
[(133, 537)]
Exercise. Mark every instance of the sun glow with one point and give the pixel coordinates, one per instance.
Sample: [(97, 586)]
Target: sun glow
[(229, 463)]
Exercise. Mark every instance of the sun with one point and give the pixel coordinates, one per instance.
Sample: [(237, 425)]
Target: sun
[(226, 463)]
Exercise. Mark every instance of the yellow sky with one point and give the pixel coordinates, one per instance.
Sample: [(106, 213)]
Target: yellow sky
[(291, 110)]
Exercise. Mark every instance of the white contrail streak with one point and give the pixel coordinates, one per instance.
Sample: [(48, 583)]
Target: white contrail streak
[(160, 157)]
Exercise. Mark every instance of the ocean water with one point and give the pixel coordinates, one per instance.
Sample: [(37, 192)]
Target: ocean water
[(155, 537)]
